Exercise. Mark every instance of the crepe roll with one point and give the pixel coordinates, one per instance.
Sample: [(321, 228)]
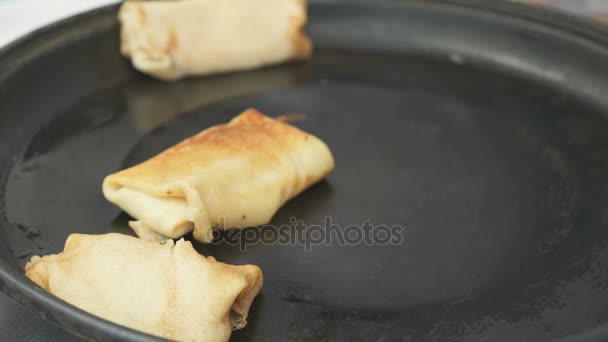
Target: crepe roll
[(232, 175), (167, 290), (172, 39)]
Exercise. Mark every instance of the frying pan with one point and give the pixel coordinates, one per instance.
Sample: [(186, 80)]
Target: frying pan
[(479, 127)]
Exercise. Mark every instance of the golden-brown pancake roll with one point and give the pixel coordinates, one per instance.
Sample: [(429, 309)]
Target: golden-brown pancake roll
[(167, 290), (233, 175), (172, 39)]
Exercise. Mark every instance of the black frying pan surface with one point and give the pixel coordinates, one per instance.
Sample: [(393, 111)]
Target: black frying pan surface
[(481, 129)]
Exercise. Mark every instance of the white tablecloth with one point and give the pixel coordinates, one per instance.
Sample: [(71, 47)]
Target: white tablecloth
[(18, 17)]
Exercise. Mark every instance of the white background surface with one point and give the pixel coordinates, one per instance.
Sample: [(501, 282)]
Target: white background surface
[(18, 17)]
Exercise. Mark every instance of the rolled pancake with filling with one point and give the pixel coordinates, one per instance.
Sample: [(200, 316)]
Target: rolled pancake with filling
[(172, 39), (233, 175), (167, 290)]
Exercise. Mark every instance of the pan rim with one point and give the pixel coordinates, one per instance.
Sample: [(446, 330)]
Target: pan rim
[(550, 18), (20, 289)]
